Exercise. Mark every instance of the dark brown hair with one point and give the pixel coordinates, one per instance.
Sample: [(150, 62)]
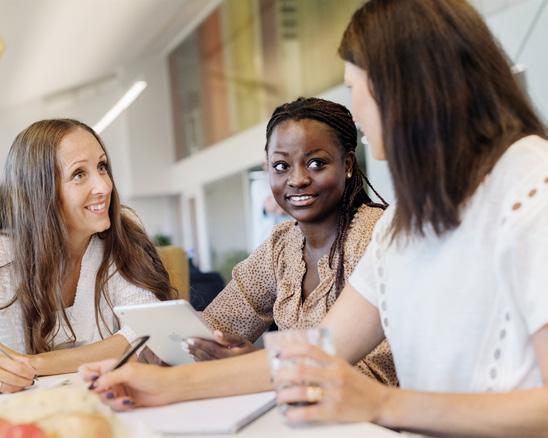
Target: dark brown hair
[(33, 221), (448, 103), (339, 120)]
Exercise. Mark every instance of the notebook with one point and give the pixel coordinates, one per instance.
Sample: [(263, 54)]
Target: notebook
[(210, 416)]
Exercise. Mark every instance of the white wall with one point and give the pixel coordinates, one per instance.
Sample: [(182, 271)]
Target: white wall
[(141, 141), (510, 26), (160, 214), (227, 215), (87, 104)]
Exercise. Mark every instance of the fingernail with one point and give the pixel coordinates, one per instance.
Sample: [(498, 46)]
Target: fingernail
[(127, 402), (94, 377), (184, 346), (109, 395), (33, 382), (218, 333), (92, 386), (190, 341)]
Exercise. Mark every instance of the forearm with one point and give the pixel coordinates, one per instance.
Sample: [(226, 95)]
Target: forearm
[(517, 413), (68, 360), (243, 374)]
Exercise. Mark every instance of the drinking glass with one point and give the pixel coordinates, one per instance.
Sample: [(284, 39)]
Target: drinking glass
[(276, 342)]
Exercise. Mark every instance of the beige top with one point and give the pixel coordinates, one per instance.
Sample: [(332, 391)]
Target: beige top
[(267, 287)]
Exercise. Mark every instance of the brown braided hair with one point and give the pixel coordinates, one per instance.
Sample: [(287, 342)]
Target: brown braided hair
[(339, 119)]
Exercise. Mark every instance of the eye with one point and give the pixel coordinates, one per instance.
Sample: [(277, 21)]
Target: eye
[(279, 166), (102, 167), (316, 163), (78, 175)]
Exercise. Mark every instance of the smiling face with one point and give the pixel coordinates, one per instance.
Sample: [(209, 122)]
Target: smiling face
[(364, 108), (85, 185), (307, 169)]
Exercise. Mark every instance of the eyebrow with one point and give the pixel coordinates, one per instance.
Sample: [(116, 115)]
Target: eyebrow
[(71, 165), (307, 154)]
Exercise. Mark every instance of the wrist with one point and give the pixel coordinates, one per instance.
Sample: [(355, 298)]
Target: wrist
[(388, 400), (173, 377), (37, 362)]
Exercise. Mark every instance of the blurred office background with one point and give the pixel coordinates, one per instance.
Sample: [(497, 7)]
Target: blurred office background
[(187, 153)]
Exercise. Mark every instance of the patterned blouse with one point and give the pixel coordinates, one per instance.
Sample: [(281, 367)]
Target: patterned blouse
[(267, 287)]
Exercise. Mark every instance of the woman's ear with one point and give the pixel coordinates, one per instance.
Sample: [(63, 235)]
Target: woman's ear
[(349, 161)]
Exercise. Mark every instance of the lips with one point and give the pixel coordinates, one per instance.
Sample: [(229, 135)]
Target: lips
[(98, 208), (301, 200)]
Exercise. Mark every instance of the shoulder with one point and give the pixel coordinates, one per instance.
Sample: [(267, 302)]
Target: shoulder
[(523, 161), (6, 250), (520, 180), (283, 233), (364, 222), (360, 233)]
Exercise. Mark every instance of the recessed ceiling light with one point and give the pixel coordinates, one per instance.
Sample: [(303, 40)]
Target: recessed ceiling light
[(119, 107)]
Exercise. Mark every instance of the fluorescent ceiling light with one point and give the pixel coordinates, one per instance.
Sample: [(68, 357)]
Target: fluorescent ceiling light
[(119, 107)]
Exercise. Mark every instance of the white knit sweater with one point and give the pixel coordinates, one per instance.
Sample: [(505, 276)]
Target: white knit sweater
[(82, 313)]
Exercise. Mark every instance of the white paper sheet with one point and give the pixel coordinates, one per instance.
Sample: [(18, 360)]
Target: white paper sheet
[(211, 416)]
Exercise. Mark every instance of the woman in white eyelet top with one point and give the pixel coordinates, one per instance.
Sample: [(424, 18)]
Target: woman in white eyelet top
[(486, 289), (456, 276)]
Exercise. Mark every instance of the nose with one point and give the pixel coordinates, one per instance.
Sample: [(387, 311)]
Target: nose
[(298, 177), (101, 184)]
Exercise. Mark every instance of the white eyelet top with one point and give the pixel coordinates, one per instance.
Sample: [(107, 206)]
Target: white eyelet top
[(459, 311), (82, 313)]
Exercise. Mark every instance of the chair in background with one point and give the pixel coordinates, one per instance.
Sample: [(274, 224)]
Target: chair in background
[(204, 287), (175, 261)]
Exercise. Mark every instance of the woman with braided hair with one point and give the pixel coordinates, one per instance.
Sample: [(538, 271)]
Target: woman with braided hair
[(292, 279), (314, 176)]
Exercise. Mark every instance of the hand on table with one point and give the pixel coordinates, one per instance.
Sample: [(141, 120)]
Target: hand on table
[(16, 372), (225, 345), (132, 385), (339, 392)]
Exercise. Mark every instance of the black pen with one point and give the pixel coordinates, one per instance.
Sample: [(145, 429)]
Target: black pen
[(132, 348)]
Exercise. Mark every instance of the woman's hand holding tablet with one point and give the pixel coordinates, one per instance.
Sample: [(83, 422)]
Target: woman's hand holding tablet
[(222, 346), (168, 323)]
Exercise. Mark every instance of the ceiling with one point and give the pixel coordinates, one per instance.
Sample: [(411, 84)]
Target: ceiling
[(54, 45)]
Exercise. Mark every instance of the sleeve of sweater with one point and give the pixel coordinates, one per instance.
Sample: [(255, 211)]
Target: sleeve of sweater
[(123, 293)]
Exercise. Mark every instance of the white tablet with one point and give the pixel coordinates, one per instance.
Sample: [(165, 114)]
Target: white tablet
[(167, 323)]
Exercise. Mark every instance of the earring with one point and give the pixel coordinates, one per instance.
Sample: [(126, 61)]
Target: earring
[(349, 175)]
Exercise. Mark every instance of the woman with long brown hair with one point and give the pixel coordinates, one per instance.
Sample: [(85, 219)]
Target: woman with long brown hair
[(456, 276), (69, 252)]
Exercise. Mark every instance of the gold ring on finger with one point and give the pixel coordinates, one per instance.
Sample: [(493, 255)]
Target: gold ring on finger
[(314, 394)]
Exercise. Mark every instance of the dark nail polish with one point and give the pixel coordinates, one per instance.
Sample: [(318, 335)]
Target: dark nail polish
[(92, 386), (94, 377), (127, 402), (109, 395)]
